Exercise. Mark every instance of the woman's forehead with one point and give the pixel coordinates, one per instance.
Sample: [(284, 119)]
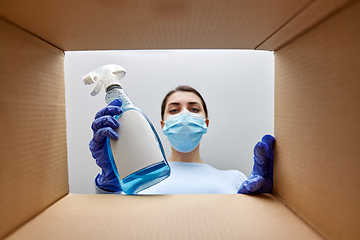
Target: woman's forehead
[(183, 97)]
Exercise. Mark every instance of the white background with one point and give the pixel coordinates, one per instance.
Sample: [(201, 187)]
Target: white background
[(237, 85)]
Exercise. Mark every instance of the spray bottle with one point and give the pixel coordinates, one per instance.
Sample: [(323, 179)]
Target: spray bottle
[(137, 157)]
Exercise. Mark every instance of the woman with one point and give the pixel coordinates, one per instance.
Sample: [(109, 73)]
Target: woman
[(183, 106)]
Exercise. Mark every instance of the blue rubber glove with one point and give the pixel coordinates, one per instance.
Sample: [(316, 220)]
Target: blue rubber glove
[(103, 126), (261, 177)]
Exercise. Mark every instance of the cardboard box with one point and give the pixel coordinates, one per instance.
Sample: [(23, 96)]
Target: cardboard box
[(317, 110)]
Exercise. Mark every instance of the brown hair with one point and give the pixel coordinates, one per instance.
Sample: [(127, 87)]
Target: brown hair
[(182, 88)]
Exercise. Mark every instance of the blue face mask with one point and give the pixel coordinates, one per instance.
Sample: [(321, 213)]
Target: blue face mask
[(184, 130)]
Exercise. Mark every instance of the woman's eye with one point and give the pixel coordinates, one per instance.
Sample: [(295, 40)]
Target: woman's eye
[(173, 111), (194, 110)]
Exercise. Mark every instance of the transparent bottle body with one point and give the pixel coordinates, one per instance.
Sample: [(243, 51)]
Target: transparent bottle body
[(148, 175)]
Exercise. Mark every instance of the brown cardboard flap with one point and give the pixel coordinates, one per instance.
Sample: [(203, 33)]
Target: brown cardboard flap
[(155, 24), (166, 217), (317, 125), (33, 165), (313, 13)]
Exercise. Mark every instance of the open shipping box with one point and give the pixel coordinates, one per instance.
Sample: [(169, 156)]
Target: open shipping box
[(317, 110)]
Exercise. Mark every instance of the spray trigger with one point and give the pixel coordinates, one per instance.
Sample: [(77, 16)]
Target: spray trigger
[(109, 75)]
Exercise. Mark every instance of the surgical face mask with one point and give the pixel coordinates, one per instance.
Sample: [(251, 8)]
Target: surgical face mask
[(184, 130)]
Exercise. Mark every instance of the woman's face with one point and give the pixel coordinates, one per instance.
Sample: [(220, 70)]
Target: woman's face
[(179, 101)]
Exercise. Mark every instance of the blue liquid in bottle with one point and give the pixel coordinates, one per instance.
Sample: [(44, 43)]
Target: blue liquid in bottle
[(149, 175)]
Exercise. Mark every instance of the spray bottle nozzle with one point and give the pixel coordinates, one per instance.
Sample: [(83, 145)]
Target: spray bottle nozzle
[(109, 75)]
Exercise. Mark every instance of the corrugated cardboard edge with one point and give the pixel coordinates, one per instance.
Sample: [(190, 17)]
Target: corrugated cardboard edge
[(33, 166), (308, 17), (207, 216)]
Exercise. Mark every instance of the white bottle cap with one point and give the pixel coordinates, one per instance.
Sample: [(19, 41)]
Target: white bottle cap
[(109, 75)]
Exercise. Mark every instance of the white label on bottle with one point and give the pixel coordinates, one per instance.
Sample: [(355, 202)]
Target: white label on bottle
[(136, 147)]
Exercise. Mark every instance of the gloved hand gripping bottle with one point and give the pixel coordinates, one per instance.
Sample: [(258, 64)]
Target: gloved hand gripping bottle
[(137, 157)]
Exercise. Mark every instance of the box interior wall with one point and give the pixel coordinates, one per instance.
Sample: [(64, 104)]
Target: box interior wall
[(317, 105), (316, 113)]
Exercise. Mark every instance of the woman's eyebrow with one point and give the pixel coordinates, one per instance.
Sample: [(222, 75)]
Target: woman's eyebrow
[(178, 104), (174, 103), (193, 103)]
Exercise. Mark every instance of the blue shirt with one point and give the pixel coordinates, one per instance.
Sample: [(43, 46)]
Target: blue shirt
[(196, 178)]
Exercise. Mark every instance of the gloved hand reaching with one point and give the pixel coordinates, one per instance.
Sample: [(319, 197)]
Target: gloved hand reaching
[(261, 177), (103, 126)]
